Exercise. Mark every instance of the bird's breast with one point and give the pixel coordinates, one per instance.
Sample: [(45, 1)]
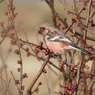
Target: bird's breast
[(56, 46)]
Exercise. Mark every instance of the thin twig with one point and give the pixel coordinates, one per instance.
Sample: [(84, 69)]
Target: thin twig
[(1, 1), (7, 87), (51, 5), (68, 27), (20, 57), (4, 64), (15, 80)]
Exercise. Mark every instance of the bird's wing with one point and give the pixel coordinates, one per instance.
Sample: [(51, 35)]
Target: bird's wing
[(60, 39), (57, 35)]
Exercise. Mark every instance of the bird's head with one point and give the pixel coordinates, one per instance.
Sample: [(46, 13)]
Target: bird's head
[(44, 28)]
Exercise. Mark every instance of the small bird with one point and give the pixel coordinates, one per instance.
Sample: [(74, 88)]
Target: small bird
[(56, 40)]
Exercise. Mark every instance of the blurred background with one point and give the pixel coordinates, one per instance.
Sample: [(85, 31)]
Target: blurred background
[(31, 13)]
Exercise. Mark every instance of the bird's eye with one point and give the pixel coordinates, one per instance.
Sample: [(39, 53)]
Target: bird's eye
[(42, 28)]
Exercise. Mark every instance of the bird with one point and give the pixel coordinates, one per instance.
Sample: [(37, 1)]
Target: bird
[(56, 41)]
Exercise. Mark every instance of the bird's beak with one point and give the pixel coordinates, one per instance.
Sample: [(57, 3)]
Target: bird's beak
[(39, 31)]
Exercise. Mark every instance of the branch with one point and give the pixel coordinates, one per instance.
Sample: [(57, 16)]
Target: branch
[(51, 5), (1, 1), (37, 76), (7, 88)]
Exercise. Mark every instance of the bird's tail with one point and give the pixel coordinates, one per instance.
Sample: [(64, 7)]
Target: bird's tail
[(80, 49)]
